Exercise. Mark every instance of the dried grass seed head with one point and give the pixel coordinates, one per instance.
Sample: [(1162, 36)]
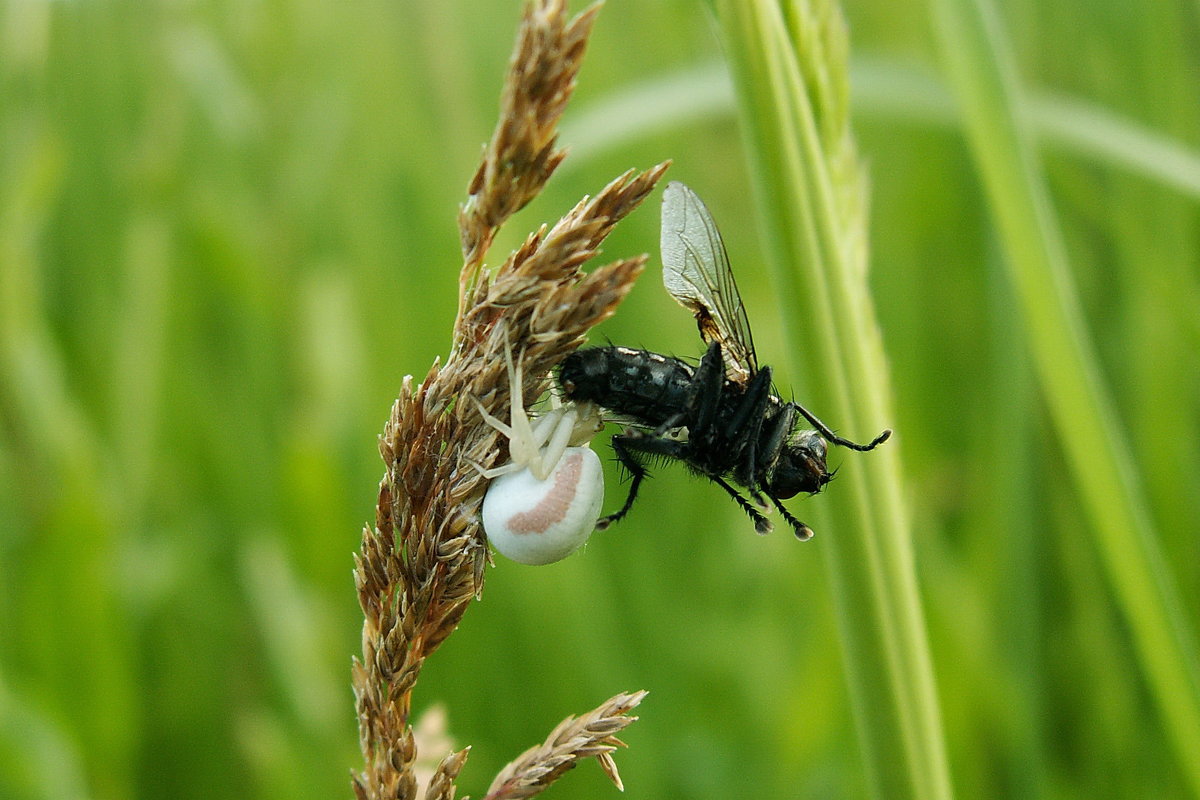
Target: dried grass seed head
[(423, 560)]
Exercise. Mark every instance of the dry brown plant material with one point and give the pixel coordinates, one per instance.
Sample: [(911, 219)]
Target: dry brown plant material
[(423, 560), (593, 734)]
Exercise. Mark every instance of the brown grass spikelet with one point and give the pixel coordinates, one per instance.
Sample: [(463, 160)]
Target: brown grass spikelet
[(521, 156), (422, 561), (593, 735)]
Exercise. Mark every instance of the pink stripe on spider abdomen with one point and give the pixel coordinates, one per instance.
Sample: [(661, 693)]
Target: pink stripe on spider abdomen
[(557, 501)]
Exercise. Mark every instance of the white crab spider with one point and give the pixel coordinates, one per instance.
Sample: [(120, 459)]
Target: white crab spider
[(543, 504)]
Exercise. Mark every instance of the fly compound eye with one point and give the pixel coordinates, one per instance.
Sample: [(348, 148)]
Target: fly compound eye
[(801, 467), (813, 446), (536, 521)]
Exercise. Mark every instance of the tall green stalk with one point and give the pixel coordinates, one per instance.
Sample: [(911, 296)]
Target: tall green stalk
[(789, 62), (983, 74)]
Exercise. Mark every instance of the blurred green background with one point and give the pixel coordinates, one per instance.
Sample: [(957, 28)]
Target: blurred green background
[(227, 230)]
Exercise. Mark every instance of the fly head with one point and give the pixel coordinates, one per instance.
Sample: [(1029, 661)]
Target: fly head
[(800, 468)]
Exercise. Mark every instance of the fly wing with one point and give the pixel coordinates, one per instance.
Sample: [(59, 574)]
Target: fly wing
[(696, 273)]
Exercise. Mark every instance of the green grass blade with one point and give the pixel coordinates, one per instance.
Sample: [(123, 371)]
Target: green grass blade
[(887, 89), (1068, 124), (1097, 449), (790, 73), (1086, 129)]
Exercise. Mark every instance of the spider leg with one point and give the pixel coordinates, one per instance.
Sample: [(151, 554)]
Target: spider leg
[(559, 433), (523, 445), (494, 472), (526, 438), (493, 421)]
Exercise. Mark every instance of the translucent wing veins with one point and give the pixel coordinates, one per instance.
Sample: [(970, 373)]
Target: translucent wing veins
[(696, 273)]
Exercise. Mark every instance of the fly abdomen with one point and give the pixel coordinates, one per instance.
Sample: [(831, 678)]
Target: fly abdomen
[(647, 387)]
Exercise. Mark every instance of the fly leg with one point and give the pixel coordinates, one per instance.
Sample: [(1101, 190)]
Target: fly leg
[(762, 525), (775, 437), (704, 395), (824, 430), (802, 531), (625, 445), (768, 442), (703, 398), (743, 432)]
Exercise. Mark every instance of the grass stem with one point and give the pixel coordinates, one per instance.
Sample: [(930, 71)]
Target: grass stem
[(789, 63), (1096, 445)]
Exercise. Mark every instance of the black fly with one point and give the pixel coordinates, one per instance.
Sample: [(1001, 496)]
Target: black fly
[(721, 418)]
